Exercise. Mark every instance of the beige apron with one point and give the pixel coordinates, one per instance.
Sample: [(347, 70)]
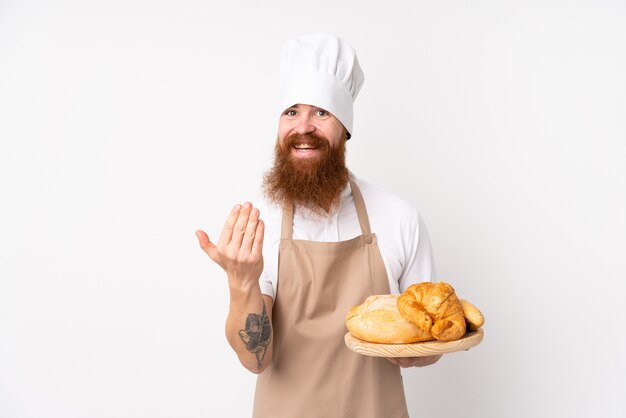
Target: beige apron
[(312, 373)]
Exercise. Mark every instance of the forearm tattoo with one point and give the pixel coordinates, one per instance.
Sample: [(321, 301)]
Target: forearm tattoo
[(257, 335)]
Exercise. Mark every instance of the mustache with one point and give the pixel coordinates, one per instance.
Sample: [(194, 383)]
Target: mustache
[(312, 139)]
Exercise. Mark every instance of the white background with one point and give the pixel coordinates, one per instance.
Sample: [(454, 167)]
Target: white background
[(126, 125)]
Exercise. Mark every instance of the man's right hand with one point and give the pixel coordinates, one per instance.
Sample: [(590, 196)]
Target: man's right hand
[(239, 248), (239, 252)]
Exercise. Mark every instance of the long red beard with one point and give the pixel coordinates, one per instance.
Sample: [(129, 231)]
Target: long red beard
[(314, 183)]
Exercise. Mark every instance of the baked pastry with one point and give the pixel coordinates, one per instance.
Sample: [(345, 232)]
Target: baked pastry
[(434, 308), (424, 312), (378, 320), (473, 316)]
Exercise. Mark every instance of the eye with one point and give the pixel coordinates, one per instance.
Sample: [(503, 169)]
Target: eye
[(322, 113), (290, 112)]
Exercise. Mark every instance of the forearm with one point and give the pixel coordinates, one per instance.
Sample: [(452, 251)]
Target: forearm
[(239, 253), (249, 327)]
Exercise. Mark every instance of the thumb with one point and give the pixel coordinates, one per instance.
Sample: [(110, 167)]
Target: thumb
[(205, 243)]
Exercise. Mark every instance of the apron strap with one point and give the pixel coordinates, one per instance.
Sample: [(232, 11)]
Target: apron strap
[(286, 231), (361, 211)]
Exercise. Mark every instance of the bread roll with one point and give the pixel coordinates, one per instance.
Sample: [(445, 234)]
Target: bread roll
[(378, 320), (473, 316)]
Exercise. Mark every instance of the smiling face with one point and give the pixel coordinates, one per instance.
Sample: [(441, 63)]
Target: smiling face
[(309, 160), (302, 120)]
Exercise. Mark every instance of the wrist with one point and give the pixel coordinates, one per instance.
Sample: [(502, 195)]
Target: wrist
[(240, 289)]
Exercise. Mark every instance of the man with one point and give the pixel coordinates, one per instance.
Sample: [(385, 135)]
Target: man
[(293, 279)]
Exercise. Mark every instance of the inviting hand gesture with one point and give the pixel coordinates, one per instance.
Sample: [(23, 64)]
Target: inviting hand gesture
[(239, 248)]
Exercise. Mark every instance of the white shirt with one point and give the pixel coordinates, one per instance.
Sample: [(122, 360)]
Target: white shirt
[(400, 231)]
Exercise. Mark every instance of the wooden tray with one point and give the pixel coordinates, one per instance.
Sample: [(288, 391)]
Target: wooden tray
[(426, 348)]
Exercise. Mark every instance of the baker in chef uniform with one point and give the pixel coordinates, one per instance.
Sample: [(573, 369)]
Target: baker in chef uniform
[(327, 241)]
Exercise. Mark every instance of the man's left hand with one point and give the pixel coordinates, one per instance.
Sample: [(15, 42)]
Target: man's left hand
[(414, 361)]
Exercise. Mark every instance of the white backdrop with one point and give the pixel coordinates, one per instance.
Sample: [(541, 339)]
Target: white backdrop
[(126, 125)]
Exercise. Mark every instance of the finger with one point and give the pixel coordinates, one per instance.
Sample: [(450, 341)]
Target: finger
[(257, 246), (401, 362), (407, 362), (248, 238), (205, 243), (404, 361), (393, 361), (240, 226), (227, 231)]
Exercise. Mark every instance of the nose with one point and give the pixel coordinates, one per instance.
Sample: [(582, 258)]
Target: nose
[(304, 125)]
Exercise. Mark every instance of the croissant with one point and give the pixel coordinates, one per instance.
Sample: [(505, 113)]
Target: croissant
[(434, 308)]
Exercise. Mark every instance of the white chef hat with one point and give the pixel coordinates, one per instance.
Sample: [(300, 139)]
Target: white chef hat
[(320, 70)]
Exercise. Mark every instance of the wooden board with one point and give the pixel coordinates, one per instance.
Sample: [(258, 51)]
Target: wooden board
[(426, 348)]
